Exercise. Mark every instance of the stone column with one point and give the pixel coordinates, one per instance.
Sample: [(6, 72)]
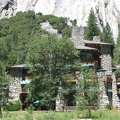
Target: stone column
[(103, 96), (116, 104), (59, 101), (14, 89), (106, 61)]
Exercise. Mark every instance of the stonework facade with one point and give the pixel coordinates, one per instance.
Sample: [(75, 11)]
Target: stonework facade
[(106, 77), (106, 60), (14, 89), (102, 83), (15, 85)]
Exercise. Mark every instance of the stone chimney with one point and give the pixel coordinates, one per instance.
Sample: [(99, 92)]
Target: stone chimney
[(78, 35), (96, 38)]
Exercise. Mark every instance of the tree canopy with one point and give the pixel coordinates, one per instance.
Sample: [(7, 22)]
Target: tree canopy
[(106, 35), (92, 28), (4, 83), (87, 95), (53, 61), (17, 32), (116, 59)]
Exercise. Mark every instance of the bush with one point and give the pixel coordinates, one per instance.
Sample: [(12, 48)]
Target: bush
[(67, 31), (13, 106), (117, 72)]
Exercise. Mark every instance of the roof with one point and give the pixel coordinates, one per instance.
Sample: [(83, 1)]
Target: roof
[(80, 47), (99, 43), (18, 66)]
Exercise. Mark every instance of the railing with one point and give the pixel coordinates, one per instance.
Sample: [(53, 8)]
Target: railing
[(94, 62)]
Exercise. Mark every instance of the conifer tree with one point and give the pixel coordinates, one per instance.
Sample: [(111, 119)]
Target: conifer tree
[(87, 90), (92, 28), (107, 35), (116, 59)]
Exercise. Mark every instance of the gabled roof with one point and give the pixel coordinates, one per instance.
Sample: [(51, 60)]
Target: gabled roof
[(99, 43)]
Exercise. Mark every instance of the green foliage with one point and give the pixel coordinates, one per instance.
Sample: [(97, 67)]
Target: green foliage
[(74, 22), (49, 56), (13, 106), (116, 59), (4, 89), (87, 90), (29, 115), (107, 35), (67, 31), (92, 28), (117, 72), (16, 33)]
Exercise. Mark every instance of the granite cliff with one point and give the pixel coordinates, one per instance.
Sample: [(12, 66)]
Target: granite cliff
[(106, 10)]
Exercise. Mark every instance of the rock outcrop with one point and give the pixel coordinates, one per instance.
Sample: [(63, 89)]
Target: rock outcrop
[(106, 10)]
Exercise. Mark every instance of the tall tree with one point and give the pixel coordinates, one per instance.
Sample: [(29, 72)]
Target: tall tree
[(107, 35), (53, 62), (92, 28), (4, 91), (4, 79), (116, 59), (87, 90)]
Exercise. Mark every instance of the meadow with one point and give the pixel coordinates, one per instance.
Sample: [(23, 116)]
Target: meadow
[(66, 115)]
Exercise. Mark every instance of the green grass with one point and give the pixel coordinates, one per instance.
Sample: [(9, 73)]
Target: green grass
[(73, 115)]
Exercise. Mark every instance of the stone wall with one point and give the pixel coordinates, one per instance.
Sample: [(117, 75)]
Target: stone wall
[(102, 89), (59, 101), (116, 104), (106, 60), (15, 86), (14, 89)]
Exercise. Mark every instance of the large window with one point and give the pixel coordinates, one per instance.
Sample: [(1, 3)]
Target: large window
[(89, 56)]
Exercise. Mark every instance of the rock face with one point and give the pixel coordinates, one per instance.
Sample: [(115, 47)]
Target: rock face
[(106, 10)]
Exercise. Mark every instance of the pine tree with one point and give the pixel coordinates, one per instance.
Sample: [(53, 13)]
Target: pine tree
[(92, 28), (87, 90), (107, 35), (116, 59)]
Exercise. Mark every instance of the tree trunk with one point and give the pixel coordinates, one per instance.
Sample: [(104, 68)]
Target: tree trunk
[(0, 112), (89, 113)]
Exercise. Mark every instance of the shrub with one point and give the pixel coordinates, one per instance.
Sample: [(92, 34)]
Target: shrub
[(13, 106), (67, 31)]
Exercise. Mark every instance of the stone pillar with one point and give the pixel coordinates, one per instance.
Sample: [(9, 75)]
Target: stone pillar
[(106, 61), (59, 101), (14, 89), (102, 87), (15, 86), (116, 104)]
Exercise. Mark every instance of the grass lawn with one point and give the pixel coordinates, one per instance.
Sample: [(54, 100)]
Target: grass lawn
[(73, 115)]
